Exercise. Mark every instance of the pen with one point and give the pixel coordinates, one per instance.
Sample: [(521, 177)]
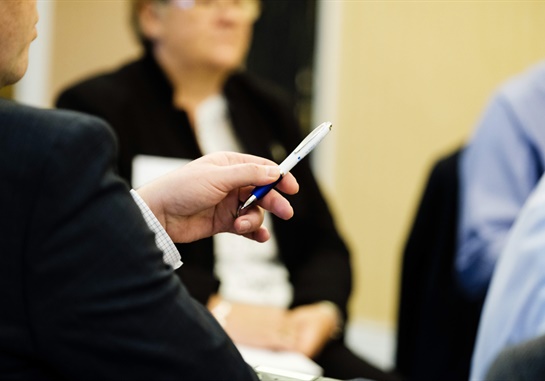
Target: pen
[(302, 150)]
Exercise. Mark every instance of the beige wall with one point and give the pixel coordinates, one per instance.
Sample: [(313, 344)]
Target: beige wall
[(414, 78), (88, 36)]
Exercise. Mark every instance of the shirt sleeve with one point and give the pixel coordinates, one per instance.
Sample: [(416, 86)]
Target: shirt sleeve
[(171, 256), (514, 310), (498, 171)]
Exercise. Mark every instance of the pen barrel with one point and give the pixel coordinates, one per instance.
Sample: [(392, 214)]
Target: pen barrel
[(306, 146), (290, 162), (261, 191)]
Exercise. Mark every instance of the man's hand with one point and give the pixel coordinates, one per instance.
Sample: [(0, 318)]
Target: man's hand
[(201, 198)]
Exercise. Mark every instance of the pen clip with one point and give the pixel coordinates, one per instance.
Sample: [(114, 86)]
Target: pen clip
[(312, 135)]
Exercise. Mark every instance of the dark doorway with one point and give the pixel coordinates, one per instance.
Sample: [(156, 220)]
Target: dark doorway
[(283, 50)]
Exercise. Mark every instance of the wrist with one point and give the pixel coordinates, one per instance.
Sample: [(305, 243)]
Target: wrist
[(152, 203)]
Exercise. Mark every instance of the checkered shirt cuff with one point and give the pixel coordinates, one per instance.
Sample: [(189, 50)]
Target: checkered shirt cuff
[(171, 256)]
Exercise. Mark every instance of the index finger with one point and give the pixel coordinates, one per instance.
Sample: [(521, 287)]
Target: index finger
[(251, 174)]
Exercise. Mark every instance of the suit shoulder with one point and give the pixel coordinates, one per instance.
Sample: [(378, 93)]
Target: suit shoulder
[(45, 127)]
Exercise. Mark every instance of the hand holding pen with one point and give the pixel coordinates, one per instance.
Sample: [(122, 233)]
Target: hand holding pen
[(302, 150)]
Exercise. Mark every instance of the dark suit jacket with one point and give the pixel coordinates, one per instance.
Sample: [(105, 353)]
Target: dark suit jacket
[(137, 101), (84, 291)]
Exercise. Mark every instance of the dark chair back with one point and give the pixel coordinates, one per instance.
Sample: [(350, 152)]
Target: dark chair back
[(437, 325)]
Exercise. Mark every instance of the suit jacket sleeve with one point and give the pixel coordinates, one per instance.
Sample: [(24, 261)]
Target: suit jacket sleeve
[(102, 303)]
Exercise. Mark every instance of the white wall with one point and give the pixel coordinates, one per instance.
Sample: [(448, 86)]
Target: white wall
[(33, 88)]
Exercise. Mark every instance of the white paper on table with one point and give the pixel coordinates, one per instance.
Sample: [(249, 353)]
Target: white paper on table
[(287, 360), (146, 168)]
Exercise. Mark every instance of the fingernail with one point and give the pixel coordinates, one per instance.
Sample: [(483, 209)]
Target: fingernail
[(245, 226)]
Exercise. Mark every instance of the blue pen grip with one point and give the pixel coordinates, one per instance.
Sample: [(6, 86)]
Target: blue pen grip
[(261, 191)]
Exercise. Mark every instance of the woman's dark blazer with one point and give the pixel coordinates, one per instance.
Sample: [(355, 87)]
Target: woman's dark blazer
[(137, 101)]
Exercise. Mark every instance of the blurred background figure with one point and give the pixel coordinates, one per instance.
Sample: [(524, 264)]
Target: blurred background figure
[(461, 230), (188, 96), (514, 310), (499, 168)]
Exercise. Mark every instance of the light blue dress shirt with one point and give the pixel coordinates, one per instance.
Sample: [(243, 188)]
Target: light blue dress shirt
[(499, 168), (514, 310)]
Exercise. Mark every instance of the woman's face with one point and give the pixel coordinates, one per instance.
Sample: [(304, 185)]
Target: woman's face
[(211, 34)]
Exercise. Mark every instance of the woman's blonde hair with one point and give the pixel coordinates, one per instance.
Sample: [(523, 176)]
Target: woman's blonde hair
[(136, 6)]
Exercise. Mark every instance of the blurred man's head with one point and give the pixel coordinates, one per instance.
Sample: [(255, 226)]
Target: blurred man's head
[(18, 20), (213, 34)]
